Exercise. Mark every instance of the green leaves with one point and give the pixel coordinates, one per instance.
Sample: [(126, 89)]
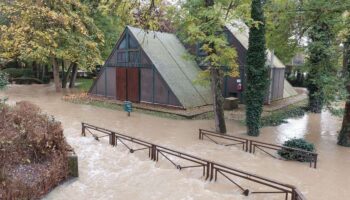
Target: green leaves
[(38, 30), (3, 80), (257, 71)]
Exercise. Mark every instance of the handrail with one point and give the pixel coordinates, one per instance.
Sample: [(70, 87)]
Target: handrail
[(251, 145), (243, 141), (211, 169)]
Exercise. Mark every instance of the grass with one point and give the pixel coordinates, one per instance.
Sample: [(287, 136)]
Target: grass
[(84, 84)]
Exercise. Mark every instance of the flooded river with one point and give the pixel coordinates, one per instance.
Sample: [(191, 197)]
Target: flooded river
[(113, 173)]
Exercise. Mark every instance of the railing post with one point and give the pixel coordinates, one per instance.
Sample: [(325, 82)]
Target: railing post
[(83, 129), (208, 170), (246, 145), (200, 134), (315, 161), (112, 139), (293, 194), (153, 152), (211, 171), (250, 146)]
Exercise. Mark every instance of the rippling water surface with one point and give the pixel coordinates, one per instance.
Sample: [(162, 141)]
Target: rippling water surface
[(113, 173)]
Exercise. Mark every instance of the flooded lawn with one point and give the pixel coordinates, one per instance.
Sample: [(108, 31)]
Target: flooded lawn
[(113, 173)]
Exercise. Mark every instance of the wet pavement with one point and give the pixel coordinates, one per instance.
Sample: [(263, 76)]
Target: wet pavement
[(113, 173)]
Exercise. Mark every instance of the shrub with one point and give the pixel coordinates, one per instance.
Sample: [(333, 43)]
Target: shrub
[(3, 80), (32, 152), (299, 144), (46, 79), (19, 72)]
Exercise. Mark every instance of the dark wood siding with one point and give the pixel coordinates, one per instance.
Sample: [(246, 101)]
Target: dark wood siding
[(133, 84), (147, 85), (111, 82), (160, 90), (121, 83), (277, 87)]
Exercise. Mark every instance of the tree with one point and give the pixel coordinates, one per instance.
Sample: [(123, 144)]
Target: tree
[(203, 23), (51, 32), (344, 134), (257, 71), (282, 28)]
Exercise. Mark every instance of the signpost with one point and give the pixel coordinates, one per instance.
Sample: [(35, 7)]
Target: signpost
[(128, 107)]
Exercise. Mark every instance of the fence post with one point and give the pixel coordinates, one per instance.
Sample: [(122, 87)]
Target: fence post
[(211, 171), (200, 134), (112, 139), (83, 129), (293, 194), (250, 146), (153, 152), (315, 161)]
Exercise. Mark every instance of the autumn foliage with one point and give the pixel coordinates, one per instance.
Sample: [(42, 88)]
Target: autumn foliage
[(32, 152)]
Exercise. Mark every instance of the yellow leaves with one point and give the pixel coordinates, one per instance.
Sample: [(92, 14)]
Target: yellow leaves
[(234, 74), (206, 48)]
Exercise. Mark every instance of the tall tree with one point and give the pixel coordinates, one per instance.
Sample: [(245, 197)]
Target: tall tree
[(202, 23), (257, 71), (51, 31), (344, 134)]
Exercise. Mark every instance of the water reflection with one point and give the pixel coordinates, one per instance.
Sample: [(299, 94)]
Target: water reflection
[(295, 128)]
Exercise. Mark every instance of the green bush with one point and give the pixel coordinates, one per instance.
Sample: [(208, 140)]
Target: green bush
[(3, 80), (46, 79), (19, 72), (294, 155)]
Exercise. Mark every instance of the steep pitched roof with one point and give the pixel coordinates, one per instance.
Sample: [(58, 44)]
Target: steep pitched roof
[(168, 56), (241, 32)]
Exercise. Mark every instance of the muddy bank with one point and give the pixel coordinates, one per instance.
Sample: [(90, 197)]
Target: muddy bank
[(109, 173)]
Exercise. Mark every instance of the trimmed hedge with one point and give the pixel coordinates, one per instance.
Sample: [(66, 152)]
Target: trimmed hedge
[(299, 144)]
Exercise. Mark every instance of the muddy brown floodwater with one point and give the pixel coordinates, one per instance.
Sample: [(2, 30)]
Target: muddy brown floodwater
[(112, 173)]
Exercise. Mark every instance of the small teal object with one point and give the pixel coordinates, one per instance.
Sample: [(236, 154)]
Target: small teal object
[(128, 107)]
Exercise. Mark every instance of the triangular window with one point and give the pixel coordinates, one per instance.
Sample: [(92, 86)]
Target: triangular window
[(132, 43), (123, 43)]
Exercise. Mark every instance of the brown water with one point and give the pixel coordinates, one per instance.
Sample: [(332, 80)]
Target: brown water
[(113, 173)]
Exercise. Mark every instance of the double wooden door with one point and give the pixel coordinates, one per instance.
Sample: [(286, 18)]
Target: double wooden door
[(128, 84)]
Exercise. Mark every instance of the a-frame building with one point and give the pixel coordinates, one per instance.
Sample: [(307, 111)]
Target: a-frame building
[(151, 68)]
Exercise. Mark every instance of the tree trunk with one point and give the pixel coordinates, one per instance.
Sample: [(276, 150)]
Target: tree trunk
[(73, 77), (218, 100), (316, 96), (216, 90), (56, 74), (320, 64), (344, 134), (257, 72), (65, 74)]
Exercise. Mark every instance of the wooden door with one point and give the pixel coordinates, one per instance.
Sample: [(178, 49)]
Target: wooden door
[(121, 83), (133, 84)]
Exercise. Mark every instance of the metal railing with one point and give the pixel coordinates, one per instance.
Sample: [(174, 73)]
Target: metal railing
[(211, 170), (251, 146), (309, 156), (210, 135)]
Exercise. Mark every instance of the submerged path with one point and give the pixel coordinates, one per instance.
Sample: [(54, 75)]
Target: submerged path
[(110, 173)]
